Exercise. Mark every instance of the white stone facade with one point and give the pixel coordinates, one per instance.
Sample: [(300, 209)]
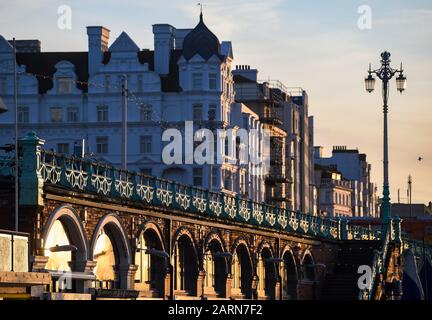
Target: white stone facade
[(68, 97)]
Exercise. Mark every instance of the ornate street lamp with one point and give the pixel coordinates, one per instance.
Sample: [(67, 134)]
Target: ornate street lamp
[(385, 73)]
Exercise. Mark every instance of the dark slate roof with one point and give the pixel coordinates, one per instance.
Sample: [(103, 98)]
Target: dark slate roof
[(43, 63), (170, 82), (201, 41), (241, 79)]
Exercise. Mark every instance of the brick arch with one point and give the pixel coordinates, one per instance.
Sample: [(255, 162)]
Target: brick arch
[(119, 237), (242, 241), (249, 265), (265, 245), (291, 273), (288, 250), (74, 227), (307, 254), (214, 236), (184, 231), (154, 227)]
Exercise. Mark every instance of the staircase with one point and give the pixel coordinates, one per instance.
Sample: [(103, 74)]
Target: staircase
[(342, 284)]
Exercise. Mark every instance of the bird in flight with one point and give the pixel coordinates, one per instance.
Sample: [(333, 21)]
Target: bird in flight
[(420, 159)]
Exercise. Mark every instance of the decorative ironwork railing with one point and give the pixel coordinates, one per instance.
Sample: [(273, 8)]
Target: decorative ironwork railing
[(90, 176)]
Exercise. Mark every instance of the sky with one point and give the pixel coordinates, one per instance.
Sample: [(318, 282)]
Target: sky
[(313, 44)]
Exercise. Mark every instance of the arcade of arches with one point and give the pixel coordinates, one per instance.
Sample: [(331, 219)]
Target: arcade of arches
[(118, 254)]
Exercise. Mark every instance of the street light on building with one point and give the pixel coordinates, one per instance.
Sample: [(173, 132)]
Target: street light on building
[(385, 73)]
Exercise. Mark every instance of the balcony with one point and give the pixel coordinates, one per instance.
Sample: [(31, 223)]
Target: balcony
[(336, 183), (270, 116)]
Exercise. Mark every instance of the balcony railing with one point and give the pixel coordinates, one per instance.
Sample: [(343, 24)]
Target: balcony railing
[(336, 183)]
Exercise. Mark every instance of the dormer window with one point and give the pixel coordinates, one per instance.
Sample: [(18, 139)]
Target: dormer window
[(64, 85)]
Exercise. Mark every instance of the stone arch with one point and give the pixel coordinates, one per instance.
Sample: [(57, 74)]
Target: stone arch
[(267, 270), (76, 234), (154, 227), (242, 269), (119, 235), (151, 267), (111, 227), (289, 275), (215, 266), (186, 262), (214, 236), (307, 266)]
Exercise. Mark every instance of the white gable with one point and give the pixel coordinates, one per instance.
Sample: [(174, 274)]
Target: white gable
[(124, 44)]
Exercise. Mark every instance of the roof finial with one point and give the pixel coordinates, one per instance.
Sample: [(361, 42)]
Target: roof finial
[(201, 11)]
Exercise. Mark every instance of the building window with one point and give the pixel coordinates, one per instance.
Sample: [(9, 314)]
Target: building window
[(56, 114), (145, 112), (102, 145), (197, 81), (198, 177), (72, 114), (146, 144), (64, 85), (63, 148), (23, 115), (212, 81), (102, 113), (228, 181), (197, 112), (212, 112)]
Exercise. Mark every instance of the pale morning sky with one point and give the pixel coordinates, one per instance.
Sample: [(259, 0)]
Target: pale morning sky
[(313, 44)]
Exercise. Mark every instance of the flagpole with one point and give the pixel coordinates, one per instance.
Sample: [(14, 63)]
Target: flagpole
[(16, 137)]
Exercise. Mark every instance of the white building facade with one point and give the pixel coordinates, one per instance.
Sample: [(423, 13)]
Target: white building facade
[(68, 97), (355, 168)]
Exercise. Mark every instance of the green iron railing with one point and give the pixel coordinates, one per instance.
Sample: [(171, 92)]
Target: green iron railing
[(91, 176)]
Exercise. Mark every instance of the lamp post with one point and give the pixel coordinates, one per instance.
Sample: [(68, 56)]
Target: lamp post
[(385, 73)]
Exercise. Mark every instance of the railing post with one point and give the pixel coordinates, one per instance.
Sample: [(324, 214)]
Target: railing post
[(31, 181), (343, 225), (397, 229)]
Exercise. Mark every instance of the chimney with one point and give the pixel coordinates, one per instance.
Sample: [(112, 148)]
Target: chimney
[(247, 72), (98, 38), (318, 152), (163, 44)]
